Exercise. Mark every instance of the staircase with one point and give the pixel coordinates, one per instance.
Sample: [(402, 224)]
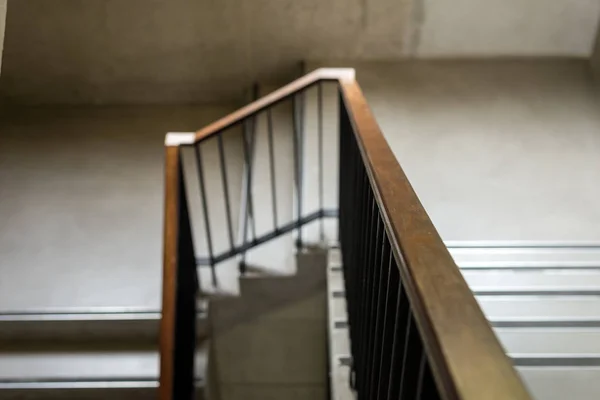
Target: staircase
[(254, 298), (84, 354), (543, 300)]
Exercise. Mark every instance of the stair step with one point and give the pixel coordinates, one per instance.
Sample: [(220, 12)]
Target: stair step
[(93, 323), (566, 344), (80, 390), (541, 310), (85, 369), (566, 282), (503, 255), (560, 383)]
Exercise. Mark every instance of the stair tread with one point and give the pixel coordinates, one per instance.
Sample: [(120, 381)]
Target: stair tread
[(541, 308), (560, 383), (84, 365), (503, 281), (550, 342)]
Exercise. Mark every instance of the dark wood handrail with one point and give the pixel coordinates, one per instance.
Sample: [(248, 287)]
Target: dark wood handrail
[(169, 279), (321, 74), (466, 357)]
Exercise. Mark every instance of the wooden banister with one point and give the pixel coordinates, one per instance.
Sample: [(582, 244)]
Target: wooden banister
[(463, 353), (169, 279), (466, 358), (321, 74), (179, 285)]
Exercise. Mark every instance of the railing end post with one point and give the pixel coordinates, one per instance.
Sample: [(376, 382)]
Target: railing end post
[(179, 138), (341, 74)]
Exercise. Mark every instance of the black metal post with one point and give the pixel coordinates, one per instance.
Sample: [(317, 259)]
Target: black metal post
[(320, 131), (206, 215), (225, 189), (272, 165), (185, 303)]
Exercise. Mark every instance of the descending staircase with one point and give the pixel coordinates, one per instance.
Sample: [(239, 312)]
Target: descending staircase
[(268, 340), (84, 354), (543, 301)]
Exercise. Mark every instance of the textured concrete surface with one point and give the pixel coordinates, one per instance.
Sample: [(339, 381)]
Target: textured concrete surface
[(499, 150), (173, 51), (140, 51), (478, 28), (271, 342), (81, 204), (495, 150)]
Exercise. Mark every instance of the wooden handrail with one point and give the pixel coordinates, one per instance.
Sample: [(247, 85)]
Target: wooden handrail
[(169, 279), (465, 355), (321, 74)]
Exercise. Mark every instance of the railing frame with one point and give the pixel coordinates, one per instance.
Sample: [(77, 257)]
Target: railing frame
[(466, 360), (179, 285)]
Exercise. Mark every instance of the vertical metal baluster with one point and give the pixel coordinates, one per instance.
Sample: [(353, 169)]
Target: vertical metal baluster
[(421, 378), (248, 194), (272, 165), (321, 189), (360, 275), (206, 216), (185, 312), (355, 197), (365, 291), (371, 289), (301, 159), (427, 387), (251, 145), (380, 286), (412, 355), (399, 338), (389, 315), (225, 189), (297, 167)]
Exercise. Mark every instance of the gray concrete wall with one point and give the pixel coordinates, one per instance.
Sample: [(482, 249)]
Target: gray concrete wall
[(164, 51), (81, 204), (173, 51), (271, 343), (495, 150), (475, 28)]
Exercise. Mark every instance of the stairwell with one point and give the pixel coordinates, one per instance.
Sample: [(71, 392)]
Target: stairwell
[(503, 153)]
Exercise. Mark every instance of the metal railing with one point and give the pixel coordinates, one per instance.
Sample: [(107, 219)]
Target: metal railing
[(416, 330)]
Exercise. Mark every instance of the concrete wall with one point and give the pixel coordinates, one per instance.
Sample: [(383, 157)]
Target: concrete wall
[(495, 150), (81, 204), (498, 150), (162, 51), (173, 51), (82, 200), (476, 28), (271, 343)]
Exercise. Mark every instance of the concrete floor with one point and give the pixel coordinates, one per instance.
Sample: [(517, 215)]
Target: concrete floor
[(498, 150)]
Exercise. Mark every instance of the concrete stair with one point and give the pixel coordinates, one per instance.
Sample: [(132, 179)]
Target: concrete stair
[(84, 354), (270, 341), (543, 301)]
